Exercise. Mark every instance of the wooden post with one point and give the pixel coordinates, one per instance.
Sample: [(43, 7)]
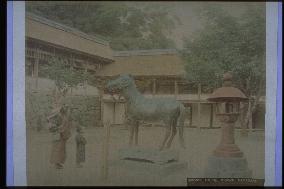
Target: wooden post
[(199, 106), (154, 87), (211, 116), (35, 68), (101, 93), (71, 69), (250, 118), (113, 113), (190, 120), (176, 88), (85, 82), (104, 168)]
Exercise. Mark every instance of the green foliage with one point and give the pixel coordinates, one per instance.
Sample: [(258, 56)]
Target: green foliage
[(228, 43), (63, 74), (126, 27), (85, 110)]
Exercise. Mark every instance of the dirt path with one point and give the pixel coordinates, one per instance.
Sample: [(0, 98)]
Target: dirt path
[(200, 144)]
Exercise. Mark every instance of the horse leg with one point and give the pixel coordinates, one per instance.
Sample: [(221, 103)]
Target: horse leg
[(168, 132), (173, 133), (136, 129)]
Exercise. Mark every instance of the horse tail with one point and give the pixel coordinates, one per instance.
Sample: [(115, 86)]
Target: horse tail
[(180, 124)]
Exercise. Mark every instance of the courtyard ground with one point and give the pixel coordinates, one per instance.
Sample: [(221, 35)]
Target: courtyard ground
[(199, 145)]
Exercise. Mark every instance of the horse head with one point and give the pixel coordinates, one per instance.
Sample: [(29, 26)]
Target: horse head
[(120, 83)]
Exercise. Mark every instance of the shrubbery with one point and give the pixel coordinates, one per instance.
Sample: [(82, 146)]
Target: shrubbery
[(85, 110)]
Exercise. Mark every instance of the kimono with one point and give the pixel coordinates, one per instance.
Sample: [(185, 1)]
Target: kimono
[(80, 148), (58, 152)]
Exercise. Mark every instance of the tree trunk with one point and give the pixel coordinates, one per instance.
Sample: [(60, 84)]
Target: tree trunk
[(251, 107), (250, 110)]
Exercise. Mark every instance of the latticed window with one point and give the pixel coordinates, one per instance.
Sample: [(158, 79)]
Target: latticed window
[(188, 88)]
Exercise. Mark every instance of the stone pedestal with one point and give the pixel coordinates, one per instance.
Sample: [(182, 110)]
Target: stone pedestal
[(224, 167), (151, 161)]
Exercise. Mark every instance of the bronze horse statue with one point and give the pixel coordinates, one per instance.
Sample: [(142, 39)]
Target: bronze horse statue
[(140, 108)]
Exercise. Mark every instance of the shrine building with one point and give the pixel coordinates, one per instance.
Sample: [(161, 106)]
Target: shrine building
[(46, 39)]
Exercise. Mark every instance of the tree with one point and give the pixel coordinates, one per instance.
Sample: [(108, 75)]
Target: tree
[(126, 27), (228, 43), (65, 77)]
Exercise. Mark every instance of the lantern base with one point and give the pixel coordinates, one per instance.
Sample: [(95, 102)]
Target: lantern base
[(222, 167), (228, 151)]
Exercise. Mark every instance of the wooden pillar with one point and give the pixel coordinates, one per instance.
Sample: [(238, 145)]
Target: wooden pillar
[(190, 120), (36, 68), (113, 113), (199, 106), (176, 88), (71, 69), (101, 94), (211, 116), (154, 87), (85, 82), (250, 117)]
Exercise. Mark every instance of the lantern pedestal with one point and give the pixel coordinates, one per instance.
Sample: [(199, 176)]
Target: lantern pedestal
[(223, 167), (227, 160), (227, 146)]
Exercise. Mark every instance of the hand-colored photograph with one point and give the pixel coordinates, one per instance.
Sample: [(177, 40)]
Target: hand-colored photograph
[(145, 93)]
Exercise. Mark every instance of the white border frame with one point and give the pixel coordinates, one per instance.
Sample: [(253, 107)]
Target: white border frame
[(271, 91), (19, 122)]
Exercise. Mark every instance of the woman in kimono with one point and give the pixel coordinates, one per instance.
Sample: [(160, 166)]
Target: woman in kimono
[(62, 134)]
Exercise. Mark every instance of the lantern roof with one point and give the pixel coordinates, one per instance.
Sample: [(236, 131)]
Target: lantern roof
[(227, 92)]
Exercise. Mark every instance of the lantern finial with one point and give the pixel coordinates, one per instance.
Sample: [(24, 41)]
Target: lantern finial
[(227, 79), (227, 92)]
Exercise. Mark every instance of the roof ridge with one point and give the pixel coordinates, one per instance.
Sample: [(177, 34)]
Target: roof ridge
[(66, 28), (145, 52)]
